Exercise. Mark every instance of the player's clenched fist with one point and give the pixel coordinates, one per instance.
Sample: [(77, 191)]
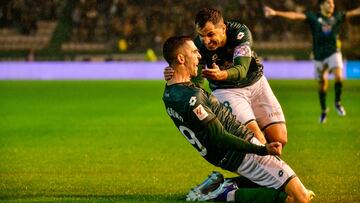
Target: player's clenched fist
[(274, 148)]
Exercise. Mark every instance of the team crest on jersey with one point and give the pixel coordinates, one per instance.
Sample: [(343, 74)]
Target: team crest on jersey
[(242, 50), (192, 101), (326, 26), (200, 112), (214, 58), (240, 35)]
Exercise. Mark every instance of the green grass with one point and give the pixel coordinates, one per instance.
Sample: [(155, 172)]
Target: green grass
[(100, 141)]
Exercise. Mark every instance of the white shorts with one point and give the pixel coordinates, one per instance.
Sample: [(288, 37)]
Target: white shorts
[(255, 102), (269, 171), (328, 64)]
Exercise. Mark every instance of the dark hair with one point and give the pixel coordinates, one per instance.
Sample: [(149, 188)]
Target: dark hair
[(208, 15), (171, 45), (320, 2)]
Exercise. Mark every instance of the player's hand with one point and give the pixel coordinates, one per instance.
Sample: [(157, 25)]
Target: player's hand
[(274, 148), (168, 73), (215, 73), (269, 12)]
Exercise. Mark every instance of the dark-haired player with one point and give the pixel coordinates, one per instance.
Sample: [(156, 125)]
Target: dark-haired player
[(221, 139), (325, 26), (236, 76)]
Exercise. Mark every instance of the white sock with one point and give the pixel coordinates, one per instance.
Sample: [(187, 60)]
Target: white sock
[(230, 197)]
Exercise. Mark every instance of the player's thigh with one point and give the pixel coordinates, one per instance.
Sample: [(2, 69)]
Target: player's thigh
[(321, 70), (335, 64), (237, 101), (268, 171), (265, 105)]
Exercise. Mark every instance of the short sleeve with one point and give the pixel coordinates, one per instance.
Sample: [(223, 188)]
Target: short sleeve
[(310, 17)]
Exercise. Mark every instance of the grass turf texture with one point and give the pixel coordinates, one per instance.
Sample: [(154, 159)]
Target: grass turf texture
[(105, 141)]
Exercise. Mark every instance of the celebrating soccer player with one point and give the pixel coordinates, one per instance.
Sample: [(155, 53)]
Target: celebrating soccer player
[(324, 27), (223, 141), (236, 76)]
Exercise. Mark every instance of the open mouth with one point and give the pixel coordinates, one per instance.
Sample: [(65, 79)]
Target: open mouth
[(211, 45)]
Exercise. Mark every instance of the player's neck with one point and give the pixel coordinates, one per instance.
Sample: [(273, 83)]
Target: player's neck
[(326, 14), (223, 42), (181, 75)]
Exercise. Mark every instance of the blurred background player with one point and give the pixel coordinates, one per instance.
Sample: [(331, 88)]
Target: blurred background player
[(220, 139), (236, 76), (325, 26)]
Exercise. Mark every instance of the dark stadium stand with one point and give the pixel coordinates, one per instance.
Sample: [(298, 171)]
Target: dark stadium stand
[(98, 25)]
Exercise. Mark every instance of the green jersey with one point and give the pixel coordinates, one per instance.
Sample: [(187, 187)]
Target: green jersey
[(209, 126), (236, 57), (325, 33)]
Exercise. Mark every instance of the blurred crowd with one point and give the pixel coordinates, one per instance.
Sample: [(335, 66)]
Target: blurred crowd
[(23, 15), (147, 23)]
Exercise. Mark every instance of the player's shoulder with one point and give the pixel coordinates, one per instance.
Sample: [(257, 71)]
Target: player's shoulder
[(311, 15), (235, 27), (238, 33), (339, 15), (197, 41), (181, 92)]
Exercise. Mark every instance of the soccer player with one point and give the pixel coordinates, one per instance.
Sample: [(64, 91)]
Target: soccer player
[(221, 139), (324, 26), (236, 76)]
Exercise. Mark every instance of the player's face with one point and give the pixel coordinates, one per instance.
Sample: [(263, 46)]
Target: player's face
[(328, 7), (212, 36), (192, 57)]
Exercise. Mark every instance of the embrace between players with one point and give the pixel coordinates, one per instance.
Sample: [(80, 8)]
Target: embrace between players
[(227, 126)]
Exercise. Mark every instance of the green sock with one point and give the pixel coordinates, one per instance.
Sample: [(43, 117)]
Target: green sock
[(338, 88), (259, 195)]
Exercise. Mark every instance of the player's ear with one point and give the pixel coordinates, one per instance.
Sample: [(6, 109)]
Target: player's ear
[(180, 58), (223, 26)]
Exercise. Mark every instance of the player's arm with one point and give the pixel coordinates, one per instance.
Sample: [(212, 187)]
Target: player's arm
[(214, 131), (241, 60), (353, 13), (269, 12), (241, 56), (217, 134)]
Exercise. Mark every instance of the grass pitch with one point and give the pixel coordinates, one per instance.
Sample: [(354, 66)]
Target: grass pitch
[(101, 141)]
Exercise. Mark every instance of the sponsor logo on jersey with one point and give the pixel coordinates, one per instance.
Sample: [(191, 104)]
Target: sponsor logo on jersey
[(240, 35), (274, 114), (242, 50), (200, 112), (192, 101)]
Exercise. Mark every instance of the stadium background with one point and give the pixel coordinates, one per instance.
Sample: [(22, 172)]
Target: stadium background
[(121, 29), (111, 140)]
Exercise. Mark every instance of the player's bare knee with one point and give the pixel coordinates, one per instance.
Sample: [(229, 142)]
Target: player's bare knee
[(277, 132), (283, 134)]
